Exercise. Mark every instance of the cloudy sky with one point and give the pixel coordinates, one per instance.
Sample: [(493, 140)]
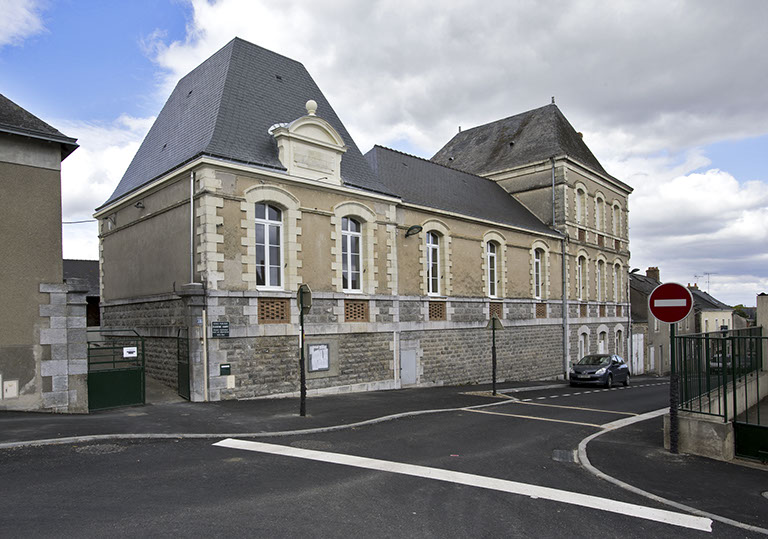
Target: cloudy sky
[(670, 95)]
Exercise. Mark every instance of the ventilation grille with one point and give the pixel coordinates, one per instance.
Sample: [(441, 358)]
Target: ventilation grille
[(541, 310), (274, 311), (583, 310), (437, 310), (602, 310), (497, 309), (618, 310), (582, 235), (355, 310), (600, 240)]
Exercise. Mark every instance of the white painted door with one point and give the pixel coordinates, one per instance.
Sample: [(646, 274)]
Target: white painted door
[(407, 367)]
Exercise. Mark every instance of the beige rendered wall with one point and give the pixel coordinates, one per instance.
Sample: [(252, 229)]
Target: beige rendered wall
[(144, 251)]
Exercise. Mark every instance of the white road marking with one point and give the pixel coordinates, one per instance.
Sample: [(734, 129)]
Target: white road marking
[(490, 483)]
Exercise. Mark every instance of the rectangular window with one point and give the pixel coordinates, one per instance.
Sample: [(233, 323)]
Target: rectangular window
[(491, 249), (351, 240), (268, 240), (537, 274), (433, 264)]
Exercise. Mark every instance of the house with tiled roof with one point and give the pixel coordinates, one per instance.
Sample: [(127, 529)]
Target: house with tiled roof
[(248, 185), (42, 342)]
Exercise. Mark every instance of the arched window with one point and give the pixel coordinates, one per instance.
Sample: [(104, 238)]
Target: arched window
[(601, 342), (581, 205), (351, 241), (269, 245), (616, 221), (583, 345), (491, 251), (599, 213), (433, 263), (599, 279), (616, 284), (537, 281), (581, 278), (620, 343)]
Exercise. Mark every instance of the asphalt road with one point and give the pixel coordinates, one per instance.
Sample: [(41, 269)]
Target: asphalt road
[(195, 488)]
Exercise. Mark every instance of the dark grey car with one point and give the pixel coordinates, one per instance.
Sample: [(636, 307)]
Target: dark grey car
[(602, 369)]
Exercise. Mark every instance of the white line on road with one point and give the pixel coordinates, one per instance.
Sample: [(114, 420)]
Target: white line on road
[(490, 483)]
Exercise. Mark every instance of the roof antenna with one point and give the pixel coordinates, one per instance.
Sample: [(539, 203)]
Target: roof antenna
[(553, 100)]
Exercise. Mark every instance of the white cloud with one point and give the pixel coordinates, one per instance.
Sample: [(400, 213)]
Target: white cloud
[(20, 19), (650, 84), (91, 173)]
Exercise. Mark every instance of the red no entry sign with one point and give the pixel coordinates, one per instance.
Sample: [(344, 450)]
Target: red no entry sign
[(670, 302)]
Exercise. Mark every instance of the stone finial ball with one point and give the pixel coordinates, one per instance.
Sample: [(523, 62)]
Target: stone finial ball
[(311, 107)]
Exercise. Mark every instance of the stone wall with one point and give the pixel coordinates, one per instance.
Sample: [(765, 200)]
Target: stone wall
[(158, 320)]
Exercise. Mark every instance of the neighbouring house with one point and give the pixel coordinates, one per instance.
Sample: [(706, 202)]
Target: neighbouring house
[(248, 185), (707, 315), (88, 271), (42, 340)]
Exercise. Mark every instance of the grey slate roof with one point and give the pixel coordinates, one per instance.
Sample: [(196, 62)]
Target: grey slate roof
[(84, 269), (536, 135), (18, 121), (419, 181), (224, 108), (704, 302)]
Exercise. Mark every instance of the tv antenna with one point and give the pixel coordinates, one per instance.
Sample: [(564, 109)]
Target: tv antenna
[(708, 273)]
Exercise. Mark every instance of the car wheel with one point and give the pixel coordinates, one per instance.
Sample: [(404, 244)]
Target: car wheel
[(626, 381), (609, 381)]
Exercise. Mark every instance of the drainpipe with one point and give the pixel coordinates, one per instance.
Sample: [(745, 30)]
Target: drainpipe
[(566, 366), (191, 227)]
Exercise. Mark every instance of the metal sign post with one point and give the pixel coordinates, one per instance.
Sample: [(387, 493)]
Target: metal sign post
[(304, 300), (493, 324), (671, 303)]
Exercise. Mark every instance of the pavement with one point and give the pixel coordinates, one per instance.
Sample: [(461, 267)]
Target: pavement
[(633, 455)]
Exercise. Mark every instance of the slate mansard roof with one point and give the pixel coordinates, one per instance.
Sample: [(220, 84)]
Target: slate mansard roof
[(529, 137), (15, 120), (422, 182), (224, 108)]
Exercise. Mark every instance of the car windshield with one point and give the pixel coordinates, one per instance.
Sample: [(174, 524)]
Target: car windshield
[(595, 360)]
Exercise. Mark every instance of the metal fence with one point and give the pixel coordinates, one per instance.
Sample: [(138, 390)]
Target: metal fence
[(718, 371)]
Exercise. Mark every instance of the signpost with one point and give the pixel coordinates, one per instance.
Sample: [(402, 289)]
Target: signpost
[(493, 324), (671, 303), (304, 300)]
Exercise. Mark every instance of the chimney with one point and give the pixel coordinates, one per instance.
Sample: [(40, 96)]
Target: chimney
[(694, 287), (653, 273)]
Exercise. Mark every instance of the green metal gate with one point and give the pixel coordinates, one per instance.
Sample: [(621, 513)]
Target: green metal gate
[(115, 370), (182, 362), (720, 376)]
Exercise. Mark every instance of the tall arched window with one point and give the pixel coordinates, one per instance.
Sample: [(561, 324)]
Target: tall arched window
[(602, 346), (620, 343), (599, 213), (599, 279), (616, 221), (616, 284), (583, 345), (537, 280), (581, 278), (580, 205), (351, 241), (433, 263), (491, 250), (269, 245)]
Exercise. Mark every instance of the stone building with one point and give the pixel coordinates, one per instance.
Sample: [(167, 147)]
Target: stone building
[(42, 323), (248, 184)]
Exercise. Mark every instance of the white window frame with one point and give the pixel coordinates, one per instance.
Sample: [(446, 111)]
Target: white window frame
[(537, 282), (599, 279), (599, 213), (616, 220), (615, 283), (581, 263), (266, 223), (580, 205), (346, 242), (433, 262), (491, 250)]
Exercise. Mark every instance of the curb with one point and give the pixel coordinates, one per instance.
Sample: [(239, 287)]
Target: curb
[(584, 460)]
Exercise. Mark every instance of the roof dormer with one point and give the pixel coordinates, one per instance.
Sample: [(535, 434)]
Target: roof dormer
[(309, 147)]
